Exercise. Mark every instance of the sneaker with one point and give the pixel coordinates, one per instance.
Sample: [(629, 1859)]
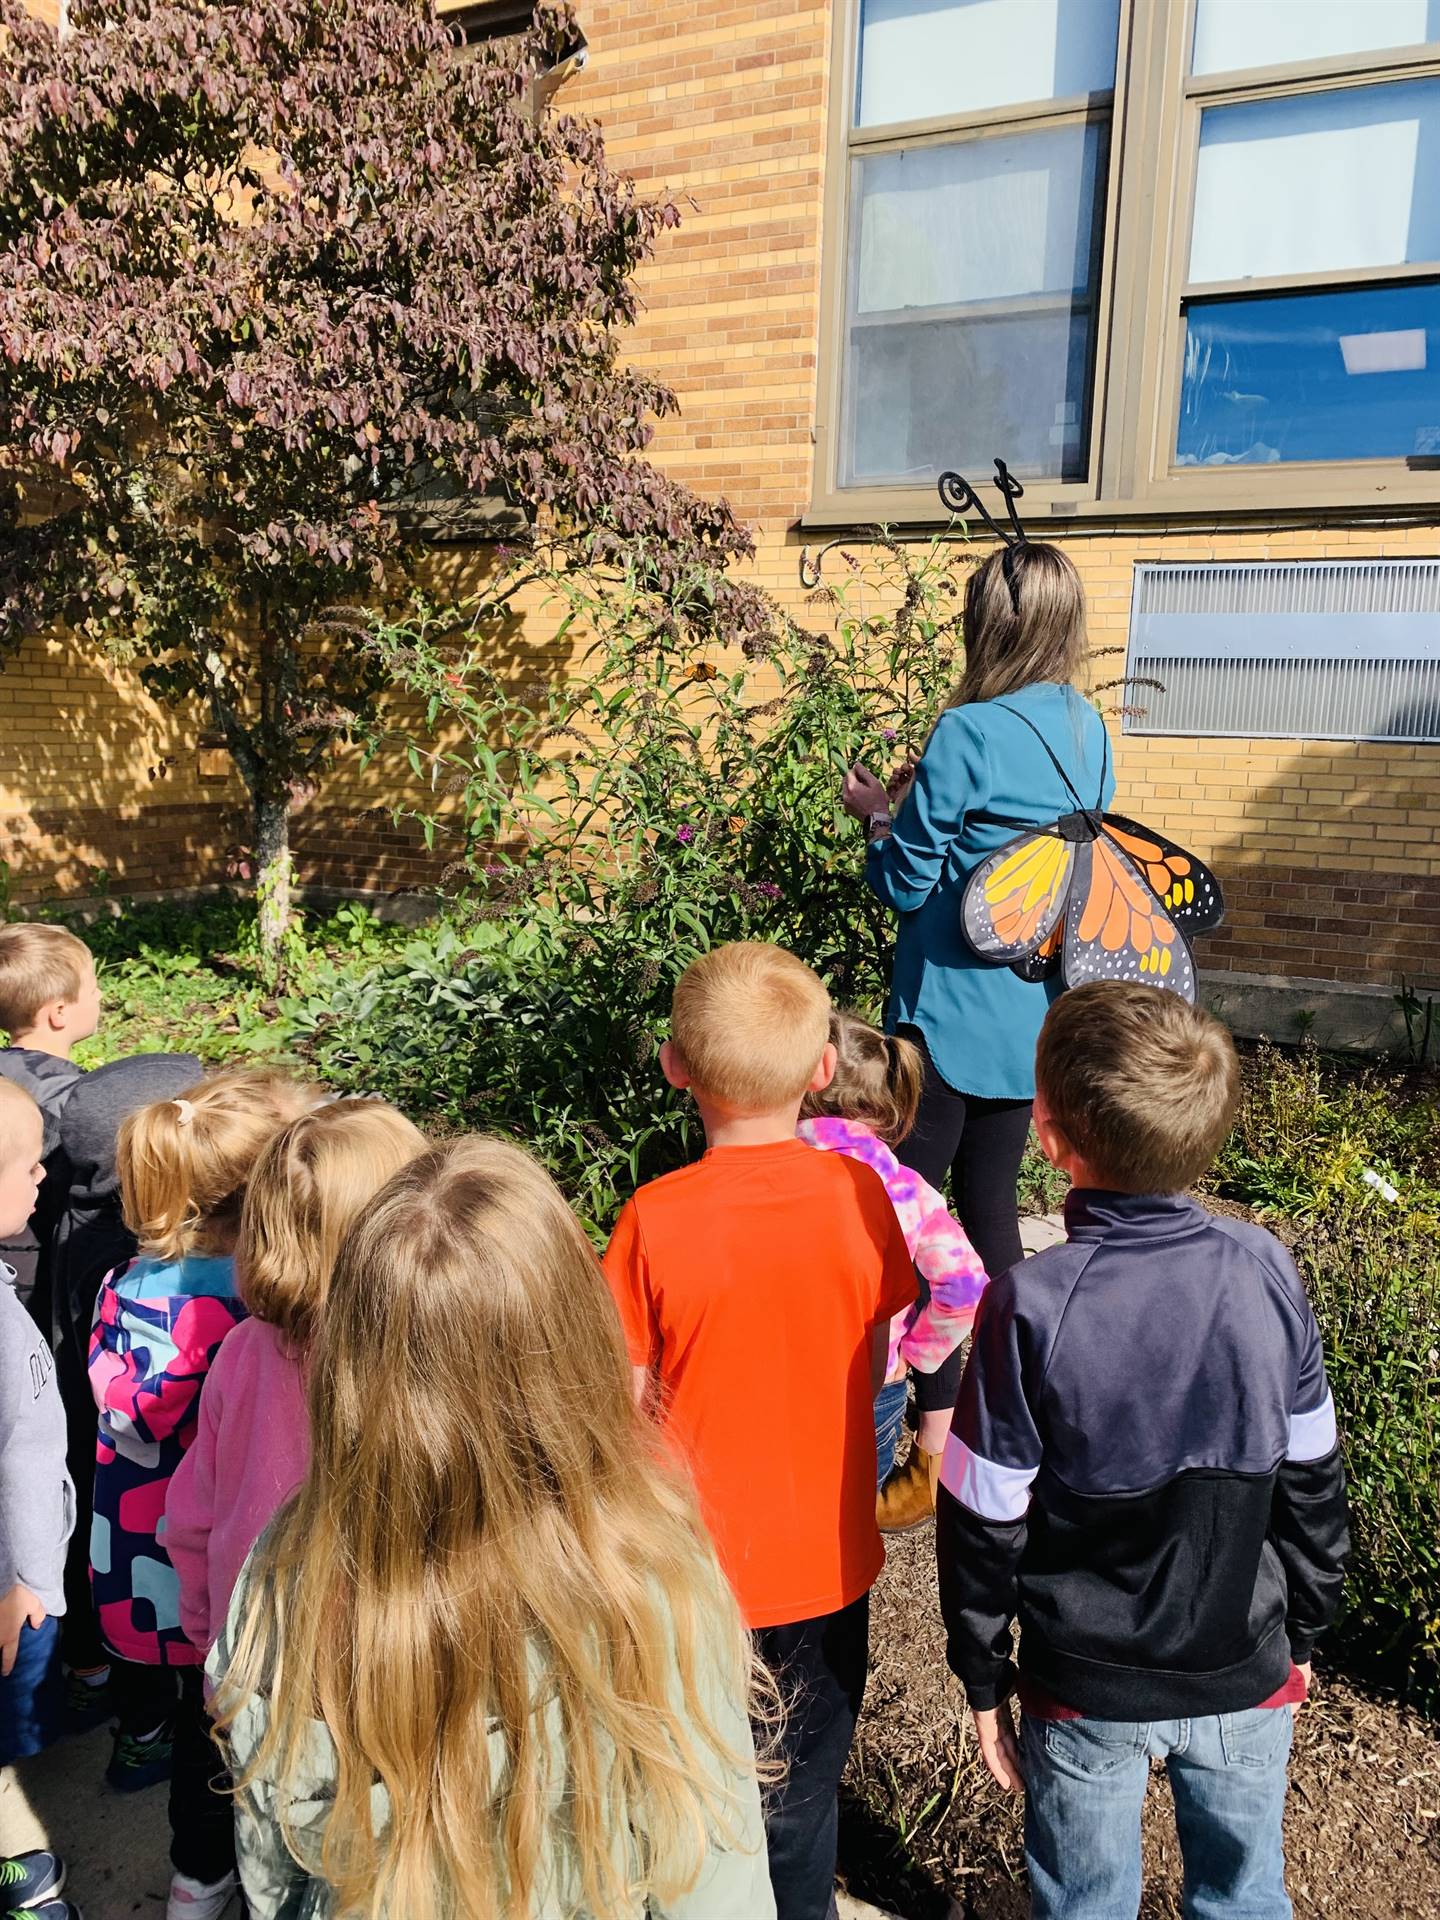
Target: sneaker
[(141, 1760), (194, 1900), (88, 1699), (29, 1878), (47, 1910)]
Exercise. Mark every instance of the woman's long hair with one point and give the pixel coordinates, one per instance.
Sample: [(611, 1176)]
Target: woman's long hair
[(489, 1582), (1044, 640)]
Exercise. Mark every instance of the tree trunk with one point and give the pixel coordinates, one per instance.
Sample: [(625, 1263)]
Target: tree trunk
[(274, 873)]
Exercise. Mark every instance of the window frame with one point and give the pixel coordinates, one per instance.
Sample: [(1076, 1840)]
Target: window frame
[(1148, 212)]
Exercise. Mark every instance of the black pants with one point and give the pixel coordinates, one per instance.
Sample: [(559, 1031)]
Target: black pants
[(820, 1668), (202, 1811), (980, 1144), (80, 1641)]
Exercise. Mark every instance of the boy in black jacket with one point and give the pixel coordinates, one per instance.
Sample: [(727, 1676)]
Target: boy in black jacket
[(1144, 1468)]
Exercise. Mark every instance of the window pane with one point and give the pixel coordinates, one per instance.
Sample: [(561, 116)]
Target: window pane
[(1315, 181), (1348, 375), (1230, 34), (970, 305), (920, 59), (926, 395)]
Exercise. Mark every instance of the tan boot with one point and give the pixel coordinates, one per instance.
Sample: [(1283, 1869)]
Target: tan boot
[(907, 1498)]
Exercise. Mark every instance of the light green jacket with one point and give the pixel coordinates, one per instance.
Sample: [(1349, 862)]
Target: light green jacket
[(734, 1884)]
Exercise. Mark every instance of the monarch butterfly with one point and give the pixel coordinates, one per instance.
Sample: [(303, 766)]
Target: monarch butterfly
[(702, 671), (1094, 896)]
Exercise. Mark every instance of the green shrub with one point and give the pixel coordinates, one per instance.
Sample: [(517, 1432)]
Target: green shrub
[(1308, 1130)]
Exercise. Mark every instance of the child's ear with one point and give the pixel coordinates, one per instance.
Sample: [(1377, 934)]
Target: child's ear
[(673, 1067), (53, 1015), (1055, 1143), (825, 1072)]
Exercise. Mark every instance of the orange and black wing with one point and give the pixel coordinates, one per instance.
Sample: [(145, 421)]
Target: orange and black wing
[(1188, 888), (1117, 929), (1015, 900)]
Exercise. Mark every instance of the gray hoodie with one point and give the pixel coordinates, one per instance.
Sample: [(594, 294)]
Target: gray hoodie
[(49, 1081), (37, 1501)]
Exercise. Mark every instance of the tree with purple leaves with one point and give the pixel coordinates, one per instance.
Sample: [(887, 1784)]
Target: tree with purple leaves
[(272, 276)]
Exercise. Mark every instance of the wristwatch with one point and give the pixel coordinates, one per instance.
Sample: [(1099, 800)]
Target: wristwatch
[(877, 824)]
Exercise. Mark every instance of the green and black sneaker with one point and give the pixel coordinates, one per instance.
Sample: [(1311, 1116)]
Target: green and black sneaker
[(141, 1760), (31, 1883)]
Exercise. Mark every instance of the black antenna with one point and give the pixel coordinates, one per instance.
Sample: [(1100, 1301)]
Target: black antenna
[(959, 497)]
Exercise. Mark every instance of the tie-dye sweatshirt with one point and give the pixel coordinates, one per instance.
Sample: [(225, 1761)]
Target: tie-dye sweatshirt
[(921, 1336), (158, 1326)]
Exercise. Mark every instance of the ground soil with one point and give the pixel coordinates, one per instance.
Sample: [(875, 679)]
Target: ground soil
[(924, 1826)]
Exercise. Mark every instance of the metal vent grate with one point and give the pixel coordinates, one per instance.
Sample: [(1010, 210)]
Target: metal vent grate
[(1308, 650)]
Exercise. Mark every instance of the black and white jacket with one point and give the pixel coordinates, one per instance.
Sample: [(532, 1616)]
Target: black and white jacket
[(1144, 1467)]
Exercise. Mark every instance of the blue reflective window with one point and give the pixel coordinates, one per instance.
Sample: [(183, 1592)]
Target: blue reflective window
[(1350, 374)]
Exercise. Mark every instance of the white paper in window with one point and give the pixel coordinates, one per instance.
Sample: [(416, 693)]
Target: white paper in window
[(920, 59), (997, 218), (1318, 181), (1233, 34)]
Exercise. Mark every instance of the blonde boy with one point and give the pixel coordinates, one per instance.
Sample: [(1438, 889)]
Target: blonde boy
[(37, 1504), (756, 1288), (49, 1002)]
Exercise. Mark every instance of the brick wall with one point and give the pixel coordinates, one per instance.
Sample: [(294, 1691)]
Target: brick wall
[(1328, 851)]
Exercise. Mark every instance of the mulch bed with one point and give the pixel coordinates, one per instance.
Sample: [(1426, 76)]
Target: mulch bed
[(923, 1825)]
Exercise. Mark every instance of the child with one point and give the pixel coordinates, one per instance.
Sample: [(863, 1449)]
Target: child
[(37, 1505), (865, 1110), (90, 1240), (158, 1322), (1144, 1466), (765, 1277), (49, 1002), (252, 1446), (485, 1663)]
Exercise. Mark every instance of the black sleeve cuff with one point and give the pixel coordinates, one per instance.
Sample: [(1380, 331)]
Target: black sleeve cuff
[(1302, 1645)]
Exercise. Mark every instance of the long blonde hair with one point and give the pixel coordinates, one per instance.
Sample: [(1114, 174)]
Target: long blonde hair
[(1044, 640), (183, 1163), (303, 1196), (488, 1552)]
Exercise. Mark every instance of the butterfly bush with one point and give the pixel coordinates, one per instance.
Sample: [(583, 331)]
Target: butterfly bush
[(601, 827), (281, 283)]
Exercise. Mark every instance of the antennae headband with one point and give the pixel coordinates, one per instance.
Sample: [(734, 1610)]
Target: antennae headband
[(959, 497)]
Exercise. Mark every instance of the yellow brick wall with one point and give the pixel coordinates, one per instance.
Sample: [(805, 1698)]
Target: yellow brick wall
[(1327, 850)]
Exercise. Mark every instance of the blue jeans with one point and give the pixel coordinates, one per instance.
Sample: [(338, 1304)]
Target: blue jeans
[(890, 1405), (1085, 1783), (32, 1696)]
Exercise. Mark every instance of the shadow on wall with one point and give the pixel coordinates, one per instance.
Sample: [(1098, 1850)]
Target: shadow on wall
[(102, 790)]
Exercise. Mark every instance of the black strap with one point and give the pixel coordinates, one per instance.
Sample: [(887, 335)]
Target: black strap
[(1080, 806)]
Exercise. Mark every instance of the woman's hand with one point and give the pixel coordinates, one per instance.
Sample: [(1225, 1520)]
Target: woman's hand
[(862, 794), (900, 782)]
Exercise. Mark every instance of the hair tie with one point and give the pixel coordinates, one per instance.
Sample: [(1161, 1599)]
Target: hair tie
[(185, 1111)]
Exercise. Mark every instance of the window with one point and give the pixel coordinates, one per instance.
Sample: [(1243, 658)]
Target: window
[(976, 208), (1156, 253), (1324, 650)]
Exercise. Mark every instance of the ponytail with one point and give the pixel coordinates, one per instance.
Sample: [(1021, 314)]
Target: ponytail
[(878, 1077), (183, 1163)]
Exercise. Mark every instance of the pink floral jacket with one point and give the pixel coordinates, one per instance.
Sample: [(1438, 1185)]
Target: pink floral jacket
[(920, 1337)]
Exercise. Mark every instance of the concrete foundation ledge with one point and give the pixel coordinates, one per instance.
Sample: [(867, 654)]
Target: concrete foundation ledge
[(1343, 1017)]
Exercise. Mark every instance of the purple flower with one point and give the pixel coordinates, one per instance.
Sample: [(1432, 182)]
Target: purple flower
[(887, 734), (685, 835), (767, 889)]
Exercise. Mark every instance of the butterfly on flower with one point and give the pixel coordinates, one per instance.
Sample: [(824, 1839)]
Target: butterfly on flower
[(702, 671)]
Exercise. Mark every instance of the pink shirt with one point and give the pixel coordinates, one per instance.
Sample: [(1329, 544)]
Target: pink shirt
[(921, 1337), (251, 1451)]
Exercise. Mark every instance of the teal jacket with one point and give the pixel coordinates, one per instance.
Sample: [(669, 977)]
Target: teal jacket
[(982, 768)]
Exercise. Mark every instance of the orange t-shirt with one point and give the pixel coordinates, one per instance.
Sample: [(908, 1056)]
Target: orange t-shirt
[(749, 1283)]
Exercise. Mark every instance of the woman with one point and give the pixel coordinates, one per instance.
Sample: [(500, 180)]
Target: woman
[(986, 772), (485, 1666)]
